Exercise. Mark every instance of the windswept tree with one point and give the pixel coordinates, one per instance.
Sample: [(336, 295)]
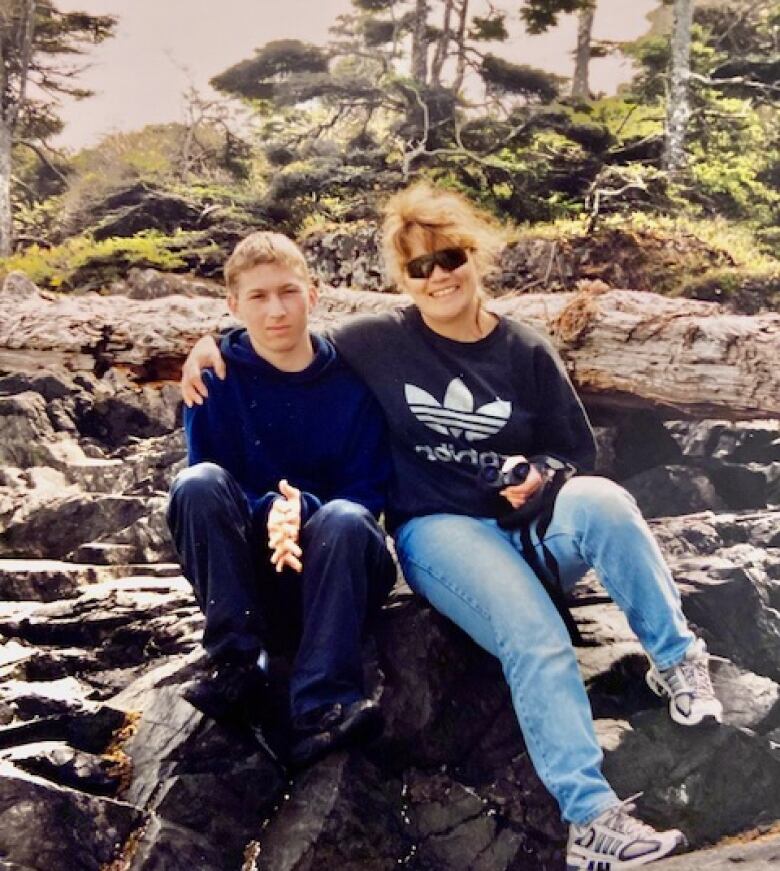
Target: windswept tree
[(541, 15), (38, 48)]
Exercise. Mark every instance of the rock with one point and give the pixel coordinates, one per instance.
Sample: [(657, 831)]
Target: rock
[(48, 828), (760, 855), (89, 730), (341, 813), (164, 846), (454, 828), (59, 763), (17, 287), (667, 491), (52, 530), (732, 441), (729, 604), (153, 284), (688, 776), (436, 704)]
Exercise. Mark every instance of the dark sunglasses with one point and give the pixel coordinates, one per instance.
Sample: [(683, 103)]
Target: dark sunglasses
[(448, 259)]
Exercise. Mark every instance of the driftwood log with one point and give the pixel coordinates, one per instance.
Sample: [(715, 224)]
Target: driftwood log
[(685, 357)]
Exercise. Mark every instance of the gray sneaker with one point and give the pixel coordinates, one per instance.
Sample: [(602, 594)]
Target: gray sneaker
[(687, 685), (617, 840)]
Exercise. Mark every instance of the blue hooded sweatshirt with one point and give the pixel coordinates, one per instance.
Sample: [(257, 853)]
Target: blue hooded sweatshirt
[(320, 428)]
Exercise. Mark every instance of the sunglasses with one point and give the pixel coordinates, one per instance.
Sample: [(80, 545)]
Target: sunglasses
[(448, 259)]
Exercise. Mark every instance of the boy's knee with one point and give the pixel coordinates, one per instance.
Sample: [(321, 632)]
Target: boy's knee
[(199, 482), (342, 517)]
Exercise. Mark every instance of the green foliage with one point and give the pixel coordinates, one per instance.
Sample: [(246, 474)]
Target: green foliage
[(729, 150), (84, 263), (743, 290), (257, 78), (532, 83), (541, 15), (490, 28)]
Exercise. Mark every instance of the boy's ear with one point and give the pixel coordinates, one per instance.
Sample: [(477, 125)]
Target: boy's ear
[(314, 295), (232, 304)]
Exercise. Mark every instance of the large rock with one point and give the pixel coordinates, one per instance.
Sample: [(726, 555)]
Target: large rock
[(688, 777), (342, 813), (48, 828)]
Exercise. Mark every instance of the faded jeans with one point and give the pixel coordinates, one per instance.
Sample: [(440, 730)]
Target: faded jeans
[(473, 572)]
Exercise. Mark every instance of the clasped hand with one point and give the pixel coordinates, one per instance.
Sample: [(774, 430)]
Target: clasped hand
[(284, 525)]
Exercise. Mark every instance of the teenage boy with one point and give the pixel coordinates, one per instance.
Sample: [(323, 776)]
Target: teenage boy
[(295, 566)]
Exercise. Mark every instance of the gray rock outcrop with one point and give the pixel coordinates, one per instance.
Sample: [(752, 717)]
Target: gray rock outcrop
[(98, 631)]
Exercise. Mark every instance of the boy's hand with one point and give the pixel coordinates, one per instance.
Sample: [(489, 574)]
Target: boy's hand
[(204, 354), (518, 494), (284, 524)]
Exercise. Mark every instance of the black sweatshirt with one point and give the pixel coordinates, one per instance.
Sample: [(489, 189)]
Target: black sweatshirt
[(456, 407)]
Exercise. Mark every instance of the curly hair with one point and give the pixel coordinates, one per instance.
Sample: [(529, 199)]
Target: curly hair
[(437, 218)]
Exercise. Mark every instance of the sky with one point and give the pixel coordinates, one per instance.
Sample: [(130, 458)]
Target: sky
[(163, 47)]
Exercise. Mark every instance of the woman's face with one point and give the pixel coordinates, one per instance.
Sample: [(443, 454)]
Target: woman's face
[(447, 296)]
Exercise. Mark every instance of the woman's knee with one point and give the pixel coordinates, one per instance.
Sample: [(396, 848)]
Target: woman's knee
[(592, 497)]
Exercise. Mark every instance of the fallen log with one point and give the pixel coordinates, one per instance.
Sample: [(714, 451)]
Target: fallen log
[(678, 356)]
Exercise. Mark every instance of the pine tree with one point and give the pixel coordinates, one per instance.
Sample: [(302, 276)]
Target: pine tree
[(37, 41)]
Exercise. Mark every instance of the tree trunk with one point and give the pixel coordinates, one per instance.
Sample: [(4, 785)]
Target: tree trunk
[(442, 44), (460, 72), (420, 42), (679, 109), (580, 88), (6, 221)]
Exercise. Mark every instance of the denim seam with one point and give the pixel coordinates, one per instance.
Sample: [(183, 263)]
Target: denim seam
[(616, 595), (472, 603), (528, 728)]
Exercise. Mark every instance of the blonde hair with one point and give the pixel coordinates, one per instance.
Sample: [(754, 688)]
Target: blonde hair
[(438, 219), (264, 247)]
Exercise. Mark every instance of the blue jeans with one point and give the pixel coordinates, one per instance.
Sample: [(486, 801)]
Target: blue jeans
[(473, 572), (318, 616)]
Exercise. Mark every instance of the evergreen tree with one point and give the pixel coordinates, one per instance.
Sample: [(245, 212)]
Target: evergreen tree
[(37, 45)]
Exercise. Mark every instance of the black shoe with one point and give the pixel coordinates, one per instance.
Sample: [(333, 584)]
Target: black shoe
[(332, 727), (233, 694)]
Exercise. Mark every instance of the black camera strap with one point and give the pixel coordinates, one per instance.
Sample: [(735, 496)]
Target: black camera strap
[(548, 573)]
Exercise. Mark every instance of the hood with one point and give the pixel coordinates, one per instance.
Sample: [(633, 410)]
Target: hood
[(237, 349)]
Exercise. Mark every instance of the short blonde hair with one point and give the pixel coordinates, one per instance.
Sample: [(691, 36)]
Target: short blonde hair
[(437, 218), (264, 247)]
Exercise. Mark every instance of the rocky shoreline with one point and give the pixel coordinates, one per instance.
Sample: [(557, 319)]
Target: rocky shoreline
[(105, 767)]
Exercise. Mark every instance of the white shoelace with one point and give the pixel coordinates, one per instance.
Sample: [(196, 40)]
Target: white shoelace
[(691, 676), (619, 819)]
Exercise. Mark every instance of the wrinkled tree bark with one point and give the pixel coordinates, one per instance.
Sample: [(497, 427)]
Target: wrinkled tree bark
[(679, 109), (460, 71), (580, 88), (420, 42), (442, 44), (17, 24)]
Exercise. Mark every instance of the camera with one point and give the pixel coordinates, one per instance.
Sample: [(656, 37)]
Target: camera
[(496, 479)]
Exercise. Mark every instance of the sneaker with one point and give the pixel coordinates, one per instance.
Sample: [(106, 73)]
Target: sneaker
[(687, 685), (616, 840), (332, 727), (231, 694)]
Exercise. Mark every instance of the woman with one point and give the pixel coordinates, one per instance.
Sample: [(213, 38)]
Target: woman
[(468, 396)]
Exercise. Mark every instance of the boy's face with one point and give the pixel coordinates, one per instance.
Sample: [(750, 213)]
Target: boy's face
[(273, 302)]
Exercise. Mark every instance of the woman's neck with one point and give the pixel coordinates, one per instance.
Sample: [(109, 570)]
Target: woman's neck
[(471, 327)]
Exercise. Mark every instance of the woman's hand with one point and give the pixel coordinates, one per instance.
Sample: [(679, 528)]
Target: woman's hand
[(204, 354), (284, 524), (518, 494)]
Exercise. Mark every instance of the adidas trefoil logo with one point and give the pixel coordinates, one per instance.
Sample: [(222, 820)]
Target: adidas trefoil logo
[(456, 416)]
